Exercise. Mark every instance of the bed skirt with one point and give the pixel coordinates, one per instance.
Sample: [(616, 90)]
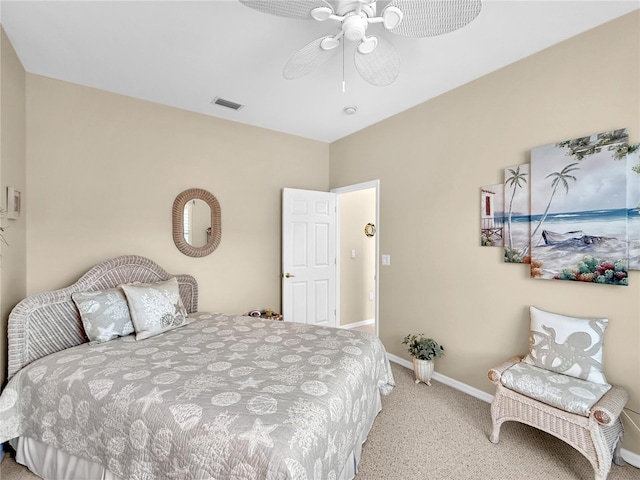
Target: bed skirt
[(53, 464)]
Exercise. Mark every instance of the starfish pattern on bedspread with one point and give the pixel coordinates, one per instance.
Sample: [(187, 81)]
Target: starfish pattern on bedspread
[(221, 397)]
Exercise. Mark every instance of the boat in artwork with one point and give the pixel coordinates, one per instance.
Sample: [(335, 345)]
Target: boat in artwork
[(573, 238), (553, 238)]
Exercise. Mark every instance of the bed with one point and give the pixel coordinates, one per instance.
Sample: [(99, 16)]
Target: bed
[(222, 396)]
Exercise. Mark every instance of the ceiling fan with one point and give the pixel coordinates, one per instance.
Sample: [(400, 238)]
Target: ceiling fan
[(376, 59)]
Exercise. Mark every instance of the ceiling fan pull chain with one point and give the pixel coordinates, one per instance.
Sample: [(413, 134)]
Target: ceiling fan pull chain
[(344, 84)]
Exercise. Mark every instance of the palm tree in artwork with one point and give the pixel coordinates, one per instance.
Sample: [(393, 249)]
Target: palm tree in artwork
[(559, 178), (513, 182)]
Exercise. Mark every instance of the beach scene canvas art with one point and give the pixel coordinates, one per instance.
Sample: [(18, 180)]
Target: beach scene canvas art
[(516, 215), (492, 215), (579, 209), (633, 205)]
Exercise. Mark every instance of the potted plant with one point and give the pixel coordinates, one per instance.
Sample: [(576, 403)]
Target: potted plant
[(423, 350)]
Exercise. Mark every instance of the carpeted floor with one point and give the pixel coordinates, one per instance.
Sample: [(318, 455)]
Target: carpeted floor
[(436, 432), (371, 328)]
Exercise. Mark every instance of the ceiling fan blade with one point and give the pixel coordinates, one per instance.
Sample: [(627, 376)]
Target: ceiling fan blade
[(380, 67), (307, 59), (428, 18), (291, 9)]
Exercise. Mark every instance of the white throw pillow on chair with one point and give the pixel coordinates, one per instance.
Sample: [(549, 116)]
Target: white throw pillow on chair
[(568, 345)]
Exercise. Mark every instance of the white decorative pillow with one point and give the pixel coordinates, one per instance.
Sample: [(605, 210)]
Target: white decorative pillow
[(155, 307), (568, 345), (104, 314)]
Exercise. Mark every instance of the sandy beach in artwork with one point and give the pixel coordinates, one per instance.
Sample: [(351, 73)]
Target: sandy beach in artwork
[(559, 256)]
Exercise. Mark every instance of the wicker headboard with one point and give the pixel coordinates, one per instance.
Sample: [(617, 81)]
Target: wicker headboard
[(49, 322)]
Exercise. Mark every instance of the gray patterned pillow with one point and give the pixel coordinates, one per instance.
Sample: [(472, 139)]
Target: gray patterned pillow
[(104, 314), (561, 391), (568, 345), (155, 307)]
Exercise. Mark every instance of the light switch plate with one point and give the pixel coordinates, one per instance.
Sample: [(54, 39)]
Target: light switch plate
[(386, 259)]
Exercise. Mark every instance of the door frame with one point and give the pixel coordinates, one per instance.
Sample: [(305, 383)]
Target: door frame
[(375, 184)]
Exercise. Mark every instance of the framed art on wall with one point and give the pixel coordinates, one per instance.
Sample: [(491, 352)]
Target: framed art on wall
[(579, 209), (572, 213), (492, 215), (633, 205), (516, 215), (13, 203)]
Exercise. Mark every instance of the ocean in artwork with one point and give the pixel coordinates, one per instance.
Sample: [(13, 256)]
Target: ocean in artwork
[(570, 237), (516, 203), (580, 209), (633, 205), (492, 215)]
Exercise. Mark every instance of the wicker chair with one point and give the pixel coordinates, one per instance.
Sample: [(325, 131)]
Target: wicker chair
[(597, 437)]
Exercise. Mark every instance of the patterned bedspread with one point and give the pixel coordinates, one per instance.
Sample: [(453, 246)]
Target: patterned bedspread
[(223, 397)]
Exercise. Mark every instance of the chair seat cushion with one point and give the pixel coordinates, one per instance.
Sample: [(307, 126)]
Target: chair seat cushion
[(567, 393)]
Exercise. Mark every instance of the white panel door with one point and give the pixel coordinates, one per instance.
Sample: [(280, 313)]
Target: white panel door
[(309, 257)]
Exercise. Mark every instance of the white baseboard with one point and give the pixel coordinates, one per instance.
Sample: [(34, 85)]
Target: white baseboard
[(474, 392), (630, 457), (349, 326)]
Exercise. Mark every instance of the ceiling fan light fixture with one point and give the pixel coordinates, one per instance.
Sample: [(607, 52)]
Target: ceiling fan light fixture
[(321, 13), (329, 43), (368, 45), (392, 17), (355, 27)]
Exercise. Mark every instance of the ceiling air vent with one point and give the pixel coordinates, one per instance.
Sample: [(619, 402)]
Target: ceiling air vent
[(226, 103)]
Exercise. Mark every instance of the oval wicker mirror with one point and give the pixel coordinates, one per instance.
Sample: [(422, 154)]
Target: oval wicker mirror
[(187, 225)]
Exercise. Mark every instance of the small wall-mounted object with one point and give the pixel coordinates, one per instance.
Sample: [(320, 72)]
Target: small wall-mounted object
[(13, 203), (197, 226), (369, 229)]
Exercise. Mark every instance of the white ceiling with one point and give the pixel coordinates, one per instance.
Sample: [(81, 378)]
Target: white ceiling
[(185, 53)]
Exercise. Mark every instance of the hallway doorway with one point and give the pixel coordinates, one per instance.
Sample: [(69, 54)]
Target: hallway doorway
[(358, 218)]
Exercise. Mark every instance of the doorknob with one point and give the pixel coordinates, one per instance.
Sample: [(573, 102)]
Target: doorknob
[(288, 275)]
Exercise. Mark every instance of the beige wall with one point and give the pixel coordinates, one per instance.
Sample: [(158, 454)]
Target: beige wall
[(12, 173), (104, 171), (357, 275), (431, 161)]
